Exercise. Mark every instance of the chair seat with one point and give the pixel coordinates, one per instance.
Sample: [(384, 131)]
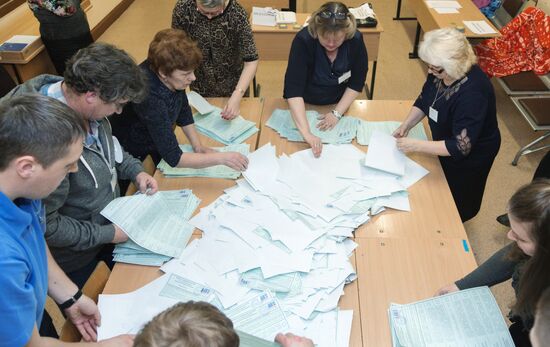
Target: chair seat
[(526, 81), (538, 108)]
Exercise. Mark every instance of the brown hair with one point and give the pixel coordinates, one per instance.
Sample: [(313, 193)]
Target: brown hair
[(531, 204), (319, 26), (189, 324), (542, 319), (173, 49)]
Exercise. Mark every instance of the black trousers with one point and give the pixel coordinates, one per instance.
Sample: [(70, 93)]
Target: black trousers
[(543, 170), (62, 50)]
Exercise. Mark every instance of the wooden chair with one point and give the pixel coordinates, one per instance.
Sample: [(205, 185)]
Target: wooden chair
[(93, 287), (149, 167)]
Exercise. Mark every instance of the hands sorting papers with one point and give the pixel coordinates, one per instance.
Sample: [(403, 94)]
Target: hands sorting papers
[(156, 225), (465, 318), (344, 131), (209, 122), (217, 171), (367, 128)]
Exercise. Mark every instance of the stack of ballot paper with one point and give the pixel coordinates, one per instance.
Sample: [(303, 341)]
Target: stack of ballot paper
[(267, 16), (156, 225), (468, 317), (366, 128), (344, 132), (209, 122), (275, 251), (217, 171)]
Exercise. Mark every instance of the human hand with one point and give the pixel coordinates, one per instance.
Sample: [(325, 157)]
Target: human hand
[(407, 145), (327, 121), (402, 131), (120, 235), (85, 317), (231, 109), (291, 340), (234, 160), (447, 289), (315, 143), (118, 341), (146, 183)]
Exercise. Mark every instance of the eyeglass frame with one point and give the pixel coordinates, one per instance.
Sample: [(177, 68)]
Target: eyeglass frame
[(433, 68), (327, 14)]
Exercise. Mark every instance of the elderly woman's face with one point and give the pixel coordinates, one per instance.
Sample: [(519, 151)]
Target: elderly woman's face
[(332, 41), (179, 79), (437, 71)]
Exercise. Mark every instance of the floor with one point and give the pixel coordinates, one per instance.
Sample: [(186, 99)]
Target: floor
[(398, 77)]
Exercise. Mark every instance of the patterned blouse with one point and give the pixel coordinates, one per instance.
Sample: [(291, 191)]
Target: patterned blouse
[(62, 8), (226, 42)]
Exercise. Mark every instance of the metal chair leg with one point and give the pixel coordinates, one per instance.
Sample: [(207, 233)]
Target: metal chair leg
[(526, 149)]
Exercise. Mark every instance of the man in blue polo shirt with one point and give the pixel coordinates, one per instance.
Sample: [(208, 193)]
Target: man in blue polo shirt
[(40, 143)]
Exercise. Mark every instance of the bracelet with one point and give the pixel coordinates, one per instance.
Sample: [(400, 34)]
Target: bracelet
[(71, 301), (336, 114), (240, 90)]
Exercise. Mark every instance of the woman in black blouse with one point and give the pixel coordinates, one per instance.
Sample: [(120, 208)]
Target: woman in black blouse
[(327, 65), (460, 102), (148, 128)]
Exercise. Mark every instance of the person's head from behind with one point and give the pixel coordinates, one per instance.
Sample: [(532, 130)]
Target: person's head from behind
[(190, 324), (541, 330), (529, 213), (106, 77), (332, 24), (40, 143), (211, 8), (447, 52), (174, 56)]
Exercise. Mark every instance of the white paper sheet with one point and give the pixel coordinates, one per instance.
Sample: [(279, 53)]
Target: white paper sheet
[(384, 155)]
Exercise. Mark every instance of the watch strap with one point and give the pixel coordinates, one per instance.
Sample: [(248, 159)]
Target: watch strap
[(71, 301)]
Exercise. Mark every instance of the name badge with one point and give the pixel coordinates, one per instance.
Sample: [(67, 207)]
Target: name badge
[(433, 114), (344, 77)]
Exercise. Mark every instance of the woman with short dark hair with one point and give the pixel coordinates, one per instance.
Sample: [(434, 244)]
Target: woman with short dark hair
[(147, 128)]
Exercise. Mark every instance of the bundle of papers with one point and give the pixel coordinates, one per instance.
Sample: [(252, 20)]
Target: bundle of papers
[(366, 128), (468, 317), (156, 225), (267, 16), (344, 132), (444, 7), (274, 255), (217, 171), (362, 12), (209, 122)]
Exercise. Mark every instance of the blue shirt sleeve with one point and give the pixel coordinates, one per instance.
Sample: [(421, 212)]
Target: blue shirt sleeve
[(18, 302), (360, 63), (297, 69), (468, 121), (153, 112)]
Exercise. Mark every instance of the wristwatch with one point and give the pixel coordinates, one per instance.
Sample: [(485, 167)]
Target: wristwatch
[(336, 114), (71, 301)]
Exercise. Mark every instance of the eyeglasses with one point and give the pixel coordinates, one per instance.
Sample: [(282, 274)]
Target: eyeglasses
[(434, 69), (329, 15)]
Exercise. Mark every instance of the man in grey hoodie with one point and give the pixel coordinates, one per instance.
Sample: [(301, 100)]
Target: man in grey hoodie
[(98, 81)]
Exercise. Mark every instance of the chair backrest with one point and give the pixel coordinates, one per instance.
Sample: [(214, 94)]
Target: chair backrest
[(513, 6), (149, 167), (93, 287)]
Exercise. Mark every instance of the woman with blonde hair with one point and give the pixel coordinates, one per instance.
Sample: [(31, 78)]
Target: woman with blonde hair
[(460, 102), (327, 65)]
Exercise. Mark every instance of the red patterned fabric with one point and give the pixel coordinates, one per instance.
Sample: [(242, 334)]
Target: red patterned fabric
[(523, 46)]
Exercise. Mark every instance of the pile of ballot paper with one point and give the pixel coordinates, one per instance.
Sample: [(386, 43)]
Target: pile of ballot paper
[(209, 122), (344, 132), (157, 225), (216, 171), (274, 255), (469, 317), (367, 128)]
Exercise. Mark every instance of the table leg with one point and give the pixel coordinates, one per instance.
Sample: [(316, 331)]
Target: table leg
[(292, 5), (370, 90), (398, 13), (414, 53)]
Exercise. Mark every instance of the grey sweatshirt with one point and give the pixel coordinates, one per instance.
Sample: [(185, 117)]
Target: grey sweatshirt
[(75, 231)]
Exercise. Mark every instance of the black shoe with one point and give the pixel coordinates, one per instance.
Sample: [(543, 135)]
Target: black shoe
[(504, 220)]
